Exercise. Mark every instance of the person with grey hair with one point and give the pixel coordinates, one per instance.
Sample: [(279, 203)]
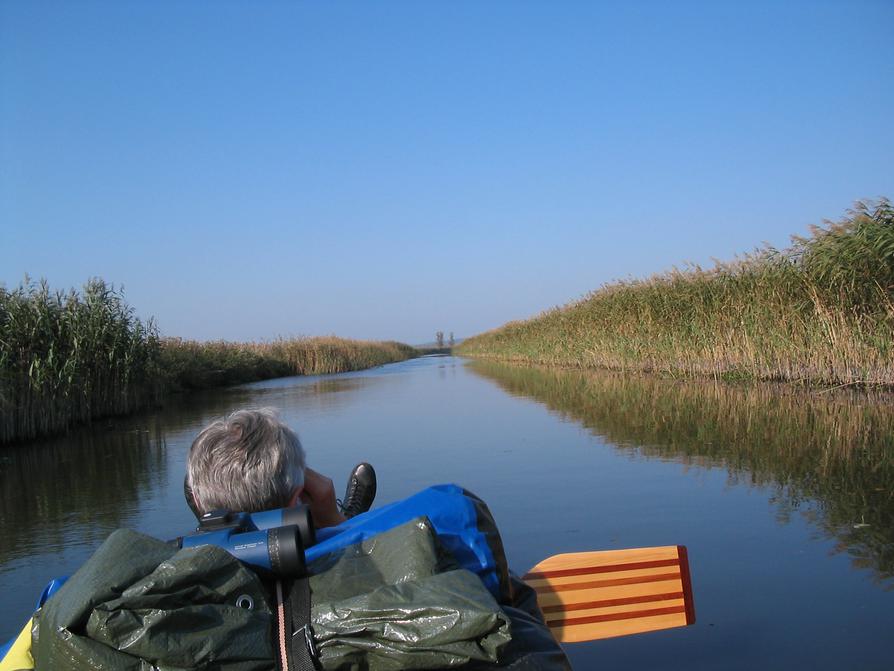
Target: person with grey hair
[(252, 461)]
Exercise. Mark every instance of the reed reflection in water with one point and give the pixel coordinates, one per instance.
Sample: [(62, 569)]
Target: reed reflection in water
[(827, 455), (83, 485)]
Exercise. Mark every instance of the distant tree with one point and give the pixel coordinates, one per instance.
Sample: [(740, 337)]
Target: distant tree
[(451, 341), (439, 336)]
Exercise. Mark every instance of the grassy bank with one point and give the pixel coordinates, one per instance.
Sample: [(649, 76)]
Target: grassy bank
[(69, 357), (821, 311)]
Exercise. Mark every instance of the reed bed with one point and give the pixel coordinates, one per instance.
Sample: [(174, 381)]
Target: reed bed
[(67, 358), (821, 311), (190, 364)]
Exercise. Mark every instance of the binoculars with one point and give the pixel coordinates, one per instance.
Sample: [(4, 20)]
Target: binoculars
[(272, 540)]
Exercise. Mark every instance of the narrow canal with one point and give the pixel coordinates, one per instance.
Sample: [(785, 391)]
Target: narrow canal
[(784, 498)]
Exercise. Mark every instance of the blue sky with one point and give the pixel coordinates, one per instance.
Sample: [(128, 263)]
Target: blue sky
[(383, 170)]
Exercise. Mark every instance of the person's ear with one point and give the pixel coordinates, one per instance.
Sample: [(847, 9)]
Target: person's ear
[(295, 499), (190, 498)]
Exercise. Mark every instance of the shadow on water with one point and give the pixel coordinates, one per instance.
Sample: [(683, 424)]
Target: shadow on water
[(829, 456), (83, 484)]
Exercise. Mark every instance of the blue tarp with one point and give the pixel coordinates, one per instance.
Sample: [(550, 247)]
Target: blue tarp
[(452, 512)]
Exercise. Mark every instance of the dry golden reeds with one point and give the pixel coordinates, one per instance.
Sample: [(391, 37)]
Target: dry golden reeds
[(190, 364), (821, 311)]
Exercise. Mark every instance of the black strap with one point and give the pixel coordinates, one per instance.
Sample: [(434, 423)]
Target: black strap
[(300, 647)]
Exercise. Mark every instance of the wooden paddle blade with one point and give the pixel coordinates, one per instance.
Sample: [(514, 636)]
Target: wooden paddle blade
[(590, 595)]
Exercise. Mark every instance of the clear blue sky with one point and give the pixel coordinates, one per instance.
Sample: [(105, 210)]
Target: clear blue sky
[(383, 170)]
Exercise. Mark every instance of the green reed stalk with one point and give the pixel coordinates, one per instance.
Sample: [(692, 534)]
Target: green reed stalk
[(67, 357), (821, 311)]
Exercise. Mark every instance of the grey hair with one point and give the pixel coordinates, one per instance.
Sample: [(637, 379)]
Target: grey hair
[(249, 461)]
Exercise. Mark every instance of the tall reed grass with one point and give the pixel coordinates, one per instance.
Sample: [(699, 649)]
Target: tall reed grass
[(821, 311), (190, 364), (68, 358)]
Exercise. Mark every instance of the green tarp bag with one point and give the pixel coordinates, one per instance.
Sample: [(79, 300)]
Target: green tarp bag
[(395, 601), (140, 604)]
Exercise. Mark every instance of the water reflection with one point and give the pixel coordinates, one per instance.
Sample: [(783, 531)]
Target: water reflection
[(829, 456), (76, 488), (82, 485)]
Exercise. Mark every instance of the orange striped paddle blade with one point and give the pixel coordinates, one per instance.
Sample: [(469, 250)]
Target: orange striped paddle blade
[(590, 595)]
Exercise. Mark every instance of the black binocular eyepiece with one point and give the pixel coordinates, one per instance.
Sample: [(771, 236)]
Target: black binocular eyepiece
[(272, 540)]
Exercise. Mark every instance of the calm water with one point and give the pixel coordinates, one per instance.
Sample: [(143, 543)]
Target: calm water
[(784, 498)]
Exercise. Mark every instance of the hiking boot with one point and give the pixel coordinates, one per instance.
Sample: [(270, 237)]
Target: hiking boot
[(360, 492)]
